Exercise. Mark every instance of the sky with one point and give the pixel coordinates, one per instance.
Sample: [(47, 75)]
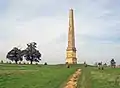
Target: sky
[(97, 28)]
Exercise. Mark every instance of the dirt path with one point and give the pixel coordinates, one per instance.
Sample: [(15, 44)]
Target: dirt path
[(72, 83)]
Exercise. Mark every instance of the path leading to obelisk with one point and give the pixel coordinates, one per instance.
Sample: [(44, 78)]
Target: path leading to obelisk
[(72, 82)]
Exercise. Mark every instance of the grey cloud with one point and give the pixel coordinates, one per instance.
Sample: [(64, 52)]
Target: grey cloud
[(96, 28)]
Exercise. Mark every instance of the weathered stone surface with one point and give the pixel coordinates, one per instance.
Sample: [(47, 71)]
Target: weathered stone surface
[(71, 50)]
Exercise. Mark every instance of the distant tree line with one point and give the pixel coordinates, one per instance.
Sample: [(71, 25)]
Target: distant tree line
[(100, 65), (30, 54)]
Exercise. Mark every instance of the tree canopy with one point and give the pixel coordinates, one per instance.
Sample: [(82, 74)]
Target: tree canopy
[(14, 55), (30, 53), (113, 63)]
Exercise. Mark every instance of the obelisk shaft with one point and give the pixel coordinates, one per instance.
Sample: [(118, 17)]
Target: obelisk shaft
[(71, 50), (71, 40)]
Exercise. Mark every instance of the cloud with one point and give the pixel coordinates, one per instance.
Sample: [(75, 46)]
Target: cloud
[(46, 22)]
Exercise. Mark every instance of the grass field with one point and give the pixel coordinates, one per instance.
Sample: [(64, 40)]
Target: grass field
[(91, 77), (34, 76), (55, 76)]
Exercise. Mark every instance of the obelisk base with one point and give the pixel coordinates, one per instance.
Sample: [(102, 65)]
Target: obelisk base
[(71, 56)]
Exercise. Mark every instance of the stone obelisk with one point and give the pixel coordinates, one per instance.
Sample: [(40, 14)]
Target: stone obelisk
[(71, 50)]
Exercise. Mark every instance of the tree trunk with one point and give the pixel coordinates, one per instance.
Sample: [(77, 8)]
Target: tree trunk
[(16, 61), (31, 62)]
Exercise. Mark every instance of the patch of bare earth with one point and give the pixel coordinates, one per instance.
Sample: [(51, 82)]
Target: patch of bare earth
[(72, 82)]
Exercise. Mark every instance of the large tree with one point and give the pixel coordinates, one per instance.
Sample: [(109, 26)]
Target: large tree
[(31, 53), (113, 63), (14, 55)]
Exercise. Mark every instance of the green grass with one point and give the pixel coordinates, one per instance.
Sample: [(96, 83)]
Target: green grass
[(34, 76), (55, 76), (91, 77)]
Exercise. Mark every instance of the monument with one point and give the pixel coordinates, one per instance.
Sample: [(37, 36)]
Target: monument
[(71, 50)]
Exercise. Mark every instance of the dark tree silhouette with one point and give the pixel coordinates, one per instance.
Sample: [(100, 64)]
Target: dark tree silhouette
[(1, 62), (45, 63), (85, 64), (100, 65), (113, 63), (14, 55), (31, 53), (105, 64)]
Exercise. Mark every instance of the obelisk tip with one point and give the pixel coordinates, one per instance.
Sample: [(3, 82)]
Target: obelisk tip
[(71, 9)]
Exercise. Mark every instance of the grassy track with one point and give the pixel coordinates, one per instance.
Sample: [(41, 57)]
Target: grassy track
[(91, 77), (34, 76)]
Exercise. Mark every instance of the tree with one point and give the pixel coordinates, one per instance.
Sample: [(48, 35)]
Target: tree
[(14, 55), (113, 63), (1, 62), (45, 63), (85, 64), (100, 66), (105, 64), (31, 53)]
